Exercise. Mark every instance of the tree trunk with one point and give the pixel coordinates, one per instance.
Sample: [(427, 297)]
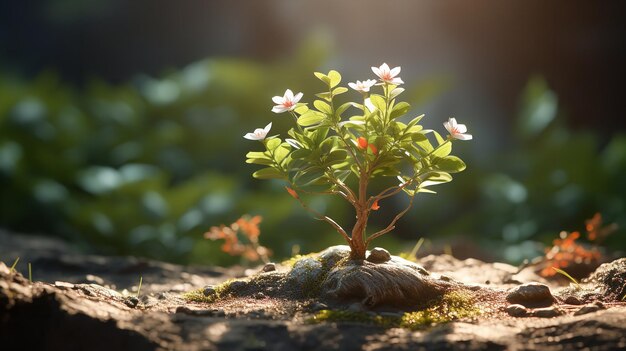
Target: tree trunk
[(357, 244)]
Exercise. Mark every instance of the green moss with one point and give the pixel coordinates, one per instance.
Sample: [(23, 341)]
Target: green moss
[(452, 306), (290, 262), (197, 295)]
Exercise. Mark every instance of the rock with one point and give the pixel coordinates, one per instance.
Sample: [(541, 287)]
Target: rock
[(378, 255), (611, 279), (547, 312), (63, 285), (305, 272), (445, 278), (530, 294), (209, 291), (131, 301), (334, 254), (259, 296), (236, 286), (587, 309), (516, 310), (269, 267), (318, 306), (356, 307), (94, 279), (573, 300)]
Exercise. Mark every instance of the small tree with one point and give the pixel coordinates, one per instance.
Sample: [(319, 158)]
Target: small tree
[(330, 154)]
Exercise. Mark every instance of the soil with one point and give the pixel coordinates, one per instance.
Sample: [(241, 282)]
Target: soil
[(79, 302)]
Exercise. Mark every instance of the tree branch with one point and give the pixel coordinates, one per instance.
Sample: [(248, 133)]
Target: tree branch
[(391, 225), (327, 219)]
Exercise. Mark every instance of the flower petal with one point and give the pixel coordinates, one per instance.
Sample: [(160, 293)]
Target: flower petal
[(461, 128), (278, 100), (278, 109), (377, 72), (397, 81), (354, 85), (464, 136), (267, 128), (384, 67), (448, 127), (452, 121), (288, 94), (395, 71), (297, 98), (251, 136)]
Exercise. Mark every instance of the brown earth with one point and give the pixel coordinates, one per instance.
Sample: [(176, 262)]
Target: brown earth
[(79, 302)]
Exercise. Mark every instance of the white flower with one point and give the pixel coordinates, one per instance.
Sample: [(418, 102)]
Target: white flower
[(363, 86), (259, 134), (287, 102), (457, 131), (388, 75)]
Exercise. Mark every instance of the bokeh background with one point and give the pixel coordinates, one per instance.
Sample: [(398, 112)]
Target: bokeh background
[(121, 122)]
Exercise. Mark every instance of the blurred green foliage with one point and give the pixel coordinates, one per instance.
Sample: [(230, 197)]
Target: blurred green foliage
[(145, 168)]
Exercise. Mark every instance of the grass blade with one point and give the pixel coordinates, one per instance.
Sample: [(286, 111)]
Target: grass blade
[(14, 264), (562, 272), (139, 288)]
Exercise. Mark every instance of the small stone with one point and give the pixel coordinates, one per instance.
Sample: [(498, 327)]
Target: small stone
[(547, 312), (599, 304), (209, 291), (63, 285), (445, 278), (573, 300), (131, 301), (588, 309), (356, 307), (269, 267), (530, 294), (332, 255), (237, 285), (259, 296), (516, 310), (378, 255), (318, 306)]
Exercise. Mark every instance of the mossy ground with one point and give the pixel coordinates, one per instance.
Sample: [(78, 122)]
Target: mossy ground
[(197, 295), (452, 306)]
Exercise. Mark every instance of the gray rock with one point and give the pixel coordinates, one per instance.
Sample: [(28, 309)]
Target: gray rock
[(516, 310), (547, 312), (530, 294), (445, 278), (209, 290), (573, 300), (318, 306), (305, 272), (259, 296), (236, 287), (334, 254), (378, 255), (63, 285), (594, 307), (391, 314), (131, 301), (356, 307), (269, 267)]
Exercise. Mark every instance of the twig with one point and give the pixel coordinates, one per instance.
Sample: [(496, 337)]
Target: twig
[(321, 217), (391, 225)]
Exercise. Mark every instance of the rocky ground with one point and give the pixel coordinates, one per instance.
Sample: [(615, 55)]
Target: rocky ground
[(79, 302)]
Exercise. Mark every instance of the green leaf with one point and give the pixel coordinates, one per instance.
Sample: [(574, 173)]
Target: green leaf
[(326, 96), (339, 90), (395, 92), (301, 109), (443, 150), (281, 152), (414, 121), (310, 118), (272, 143), (260, 161), (341, 109), (321, 76), (424, 143), (449, 164), (335, 78), (323, 107), (399, 109), (440, 140), (257, 154), (268, 173), (378, 101)]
